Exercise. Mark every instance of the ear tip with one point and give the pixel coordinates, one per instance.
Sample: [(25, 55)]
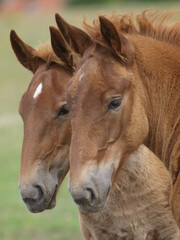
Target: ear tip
[(54, 31), (12, 32), (51, 28), (57, 16), (60, 20), (102, 18), (104, 22), (13, 35)]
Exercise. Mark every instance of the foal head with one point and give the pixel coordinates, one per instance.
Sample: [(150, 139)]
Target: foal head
[(107, 120), (45, 113)]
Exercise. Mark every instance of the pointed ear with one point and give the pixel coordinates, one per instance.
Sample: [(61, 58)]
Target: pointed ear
[(78, 40), (118, 43), (24, 53), (60, 47)]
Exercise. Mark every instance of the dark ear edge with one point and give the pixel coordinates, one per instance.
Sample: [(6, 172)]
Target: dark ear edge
[(60, 47), (109, 33), (77, 39), (24, 53), (118, 43), (62, 25)]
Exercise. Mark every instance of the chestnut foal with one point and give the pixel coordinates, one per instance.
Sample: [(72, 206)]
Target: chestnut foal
[(47, 128), (109, 123), (137, 205)]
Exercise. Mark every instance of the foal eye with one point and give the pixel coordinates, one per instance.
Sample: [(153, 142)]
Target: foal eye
[(115, 103), (64, 110)]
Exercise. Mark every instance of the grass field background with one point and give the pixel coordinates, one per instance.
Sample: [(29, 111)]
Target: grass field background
[(16, 223)]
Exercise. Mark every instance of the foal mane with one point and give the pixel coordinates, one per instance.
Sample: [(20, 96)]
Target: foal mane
[(154, 24), (45, 52)]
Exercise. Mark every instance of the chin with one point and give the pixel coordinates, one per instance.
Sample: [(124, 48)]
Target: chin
[(91, 209), (38, 208)]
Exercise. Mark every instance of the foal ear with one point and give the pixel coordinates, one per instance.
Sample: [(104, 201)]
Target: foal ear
[(78, 40), (24, 52), (119, 44), (59, 46)]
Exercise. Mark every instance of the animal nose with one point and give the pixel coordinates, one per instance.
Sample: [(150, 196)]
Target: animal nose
[(32, 194), (85, 196)]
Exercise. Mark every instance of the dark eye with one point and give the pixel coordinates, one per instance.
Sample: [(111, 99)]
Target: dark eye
[(115, 103), (64, 110)]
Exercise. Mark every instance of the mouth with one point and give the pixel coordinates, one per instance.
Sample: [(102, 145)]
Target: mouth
[(36, 207), (91, 209), (52, 202)]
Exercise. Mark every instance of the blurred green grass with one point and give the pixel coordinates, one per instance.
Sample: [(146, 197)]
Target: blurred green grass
[(15, 220)]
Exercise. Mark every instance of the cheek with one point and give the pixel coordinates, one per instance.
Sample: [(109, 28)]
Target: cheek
[(62, 159), (102, 141), (120, 119), (57, 163), (111, 158), (64, 133), (117, 125), (62, 162)]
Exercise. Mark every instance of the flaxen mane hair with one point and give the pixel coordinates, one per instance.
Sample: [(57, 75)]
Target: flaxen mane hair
[(155, 24)]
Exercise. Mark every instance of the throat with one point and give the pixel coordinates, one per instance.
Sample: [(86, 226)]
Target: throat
[(135, 182)]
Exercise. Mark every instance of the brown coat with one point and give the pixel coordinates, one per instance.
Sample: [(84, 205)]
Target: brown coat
[(141, 64), (137, 206)]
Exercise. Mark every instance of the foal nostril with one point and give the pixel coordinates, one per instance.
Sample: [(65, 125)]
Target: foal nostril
[(33, 194), (92, 196), (85, 197), (41, 196)]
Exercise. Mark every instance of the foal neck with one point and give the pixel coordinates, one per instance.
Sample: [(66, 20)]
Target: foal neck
[(139, 183), (157, 75)]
